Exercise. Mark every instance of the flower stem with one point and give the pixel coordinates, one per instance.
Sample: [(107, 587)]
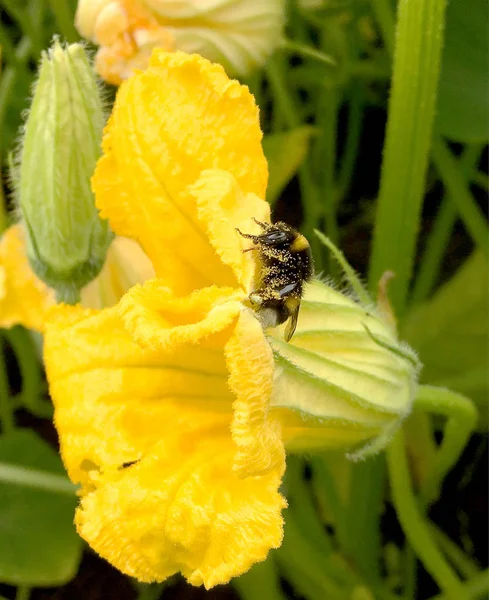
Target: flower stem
[(456, 185), (6, 408), (414, 525), (419, 40), (261, 581), (16, 475), (441, 231), (462, 417)]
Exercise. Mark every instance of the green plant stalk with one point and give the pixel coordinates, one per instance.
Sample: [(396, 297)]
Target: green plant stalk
[(64, 18), (26, 24), (384, 17), (419, 40), (309, 192), (23, 593), (362, 518), (11, 73), (6, 408), (413, 523), (482, 181), (455, 183), (350, 154), (463, 563), (476, 588), (261, 581), (441, 231), (16, 475), (462, 418), (32, 381)]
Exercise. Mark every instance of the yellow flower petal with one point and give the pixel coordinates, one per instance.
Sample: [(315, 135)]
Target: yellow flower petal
[(222, 208), (183, 509), (180, 117), (162, 391), (24, 299)]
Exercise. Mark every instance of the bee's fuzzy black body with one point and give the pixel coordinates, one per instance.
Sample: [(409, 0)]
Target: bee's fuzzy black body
[(284, 264)]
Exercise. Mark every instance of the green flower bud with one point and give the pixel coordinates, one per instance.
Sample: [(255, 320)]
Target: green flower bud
[(344, 380), (66, 240)]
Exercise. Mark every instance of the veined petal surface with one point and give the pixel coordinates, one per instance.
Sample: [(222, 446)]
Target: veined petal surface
[(169, 433), (172, 122)]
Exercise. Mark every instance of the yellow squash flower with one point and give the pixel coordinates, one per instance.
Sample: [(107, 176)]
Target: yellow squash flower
[(173, 406), (25, 299), (239, 34), (161, 402)]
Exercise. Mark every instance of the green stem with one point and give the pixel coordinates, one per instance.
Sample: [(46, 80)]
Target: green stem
[(30, 369), (348, 160), (363, 515), (15, 475), (476, 588), (23, 593), (414, 525), (462, 417), (6, 408), (419, 40), (306, 568), (309, 52), (463, 563), (309, 193), (385, 19), (23, 18), (151, 591), (64, 17), (261, 581), (9, 76), (452, 177), (441, 232), (481, 180)]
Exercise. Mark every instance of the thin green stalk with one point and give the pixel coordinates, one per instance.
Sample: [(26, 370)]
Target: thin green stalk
[(9, 76), (309, 193), (300, 501), (6, 408), (462, 418), (306, 568), (419, 40), (463, 563), (23, 593), (326, 150), (385, 19), (454, 181), (441, 231), (482, 181), (309, 52), (32, 381), (261, 581), (151, 591), (362, 518), (16, 475), (21, 15), (64, 17), (349, 158), (476, 588), (414, 525)]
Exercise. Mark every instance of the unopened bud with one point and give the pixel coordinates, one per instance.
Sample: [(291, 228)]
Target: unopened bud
[(344, 380), (65, 238)]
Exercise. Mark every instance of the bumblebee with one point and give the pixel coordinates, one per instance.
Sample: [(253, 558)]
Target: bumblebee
[(284, 263)]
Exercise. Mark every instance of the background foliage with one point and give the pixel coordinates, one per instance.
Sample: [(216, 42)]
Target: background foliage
[(376, 121)]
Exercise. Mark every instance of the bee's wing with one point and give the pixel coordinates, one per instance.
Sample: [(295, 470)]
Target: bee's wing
[(293, 305)]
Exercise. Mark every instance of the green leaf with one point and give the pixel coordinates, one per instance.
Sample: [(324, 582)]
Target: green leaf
[(450, 333), (38, 542), (463, 107), (285, 152)]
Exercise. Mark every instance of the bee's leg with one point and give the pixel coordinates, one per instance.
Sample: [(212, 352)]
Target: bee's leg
[(264, 226), (247, 235)]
